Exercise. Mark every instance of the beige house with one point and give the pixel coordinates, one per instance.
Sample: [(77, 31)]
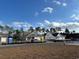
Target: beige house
[(35, 36), (3, 38)]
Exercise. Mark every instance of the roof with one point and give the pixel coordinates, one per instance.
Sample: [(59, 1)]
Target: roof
[(34, 34), (3, 35), (60, 35), (50, 36)]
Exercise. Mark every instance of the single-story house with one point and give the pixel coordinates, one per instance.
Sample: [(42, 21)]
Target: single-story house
[(60, 37), (35, 37), (3, 38), (49, 37)]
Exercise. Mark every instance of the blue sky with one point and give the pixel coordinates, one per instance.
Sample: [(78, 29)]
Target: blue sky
[(39, 12)]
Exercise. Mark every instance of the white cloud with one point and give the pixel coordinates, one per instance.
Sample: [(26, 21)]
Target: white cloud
[(1, 23), (19, 25), (40, 24), (60, 3), (63, 25), (57, 2), (75, 17), (64, 4), (48, 10), (47, 22), (58, 24)]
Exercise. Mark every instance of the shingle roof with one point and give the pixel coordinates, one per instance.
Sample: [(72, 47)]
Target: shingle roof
[(34, 34), (3, 35)]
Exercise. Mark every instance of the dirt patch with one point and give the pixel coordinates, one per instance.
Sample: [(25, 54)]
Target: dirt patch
[(40, 51)]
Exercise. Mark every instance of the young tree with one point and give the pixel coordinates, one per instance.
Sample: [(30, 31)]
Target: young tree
[(51, 30), (67, 30), (16, 36), (31, 29), (1, 27), (73, 31), (38, 29), (43, 29), (54, 30), (47, 30)]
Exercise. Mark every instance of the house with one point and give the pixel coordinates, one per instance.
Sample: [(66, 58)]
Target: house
[(3, 38), (60, 37), (25, 36), (35, 37), (49, 37)]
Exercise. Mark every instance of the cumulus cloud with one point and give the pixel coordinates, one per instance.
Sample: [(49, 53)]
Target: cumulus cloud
[(19, 25), (75, 17), (63, 25), (2, 23), (47, 22), (40, 24), (60, 3), (64, 4), (48, 10), (57, 2)]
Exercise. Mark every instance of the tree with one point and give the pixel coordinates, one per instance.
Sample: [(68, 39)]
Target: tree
[(67, 30), (10, 33), (54, 30), (17, 36), (1, 27), (38, 29), (43, 29), (8, 28), (31, 29), (73, 31), (21, 30), (47, 30)]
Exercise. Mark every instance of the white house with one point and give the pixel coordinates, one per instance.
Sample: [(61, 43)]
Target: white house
[(60, 37), (49, 36)]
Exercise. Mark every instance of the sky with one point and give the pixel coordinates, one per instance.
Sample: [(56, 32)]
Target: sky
[(43, 13)]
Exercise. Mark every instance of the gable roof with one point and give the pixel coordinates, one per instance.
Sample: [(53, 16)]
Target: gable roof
[(34, 34), (3, 35), (60, 35), (50, 36)]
